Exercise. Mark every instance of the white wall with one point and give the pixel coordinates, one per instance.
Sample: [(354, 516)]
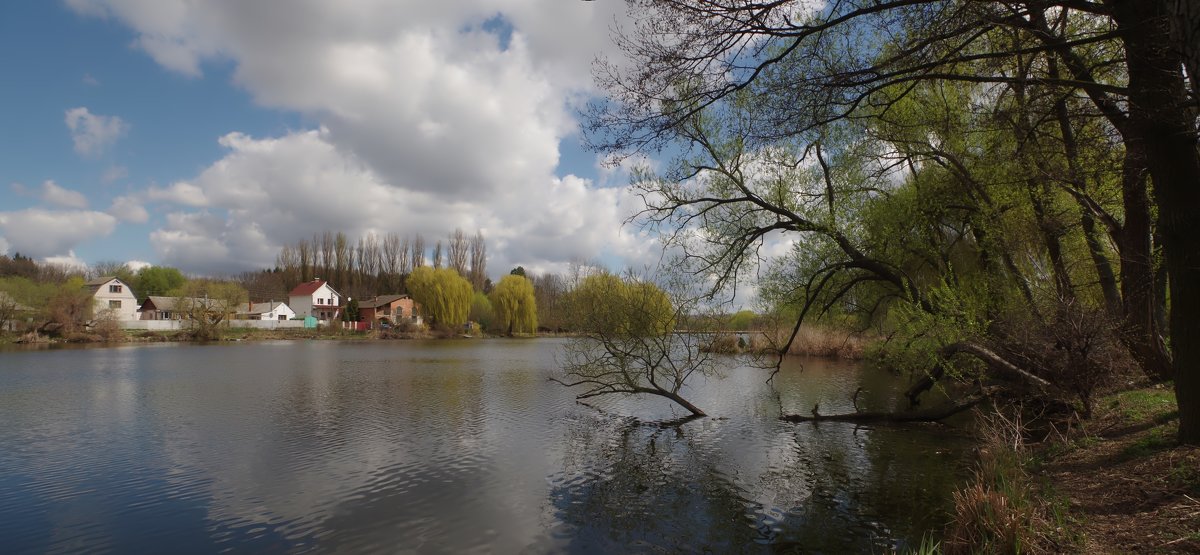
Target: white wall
[(169, 325)]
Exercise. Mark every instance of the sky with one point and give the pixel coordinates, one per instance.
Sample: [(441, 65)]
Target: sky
[(205, 135)]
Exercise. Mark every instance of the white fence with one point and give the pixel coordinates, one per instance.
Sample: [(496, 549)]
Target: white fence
[(171, 325)]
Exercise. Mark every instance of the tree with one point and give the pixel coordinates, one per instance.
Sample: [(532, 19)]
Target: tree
[(811, 71), (350, 314), (478, 261), (457, 252), (514, 304), (69, 306), (518, 271), (205, 304), (626, 343), (444, 296), (157, 280), (481, 311)]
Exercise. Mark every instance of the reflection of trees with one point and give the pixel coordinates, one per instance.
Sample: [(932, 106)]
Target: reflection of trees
[(646, 488), (830, 487)]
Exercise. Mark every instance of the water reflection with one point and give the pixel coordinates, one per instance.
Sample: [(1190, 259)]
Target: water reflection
[(440, 447)]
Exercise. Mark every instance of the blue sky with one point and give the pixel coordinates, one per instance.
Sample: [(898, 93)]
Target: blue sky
[(205, 135)]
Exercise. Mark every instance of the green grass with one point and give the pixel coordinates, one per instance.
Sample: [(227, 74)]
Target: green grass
[(1141, 405), (1156, 439)]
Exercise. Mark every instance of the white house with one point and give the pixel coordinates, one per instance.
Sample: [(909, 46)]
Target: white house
[(317, 299), (264, 311), (113, 297)]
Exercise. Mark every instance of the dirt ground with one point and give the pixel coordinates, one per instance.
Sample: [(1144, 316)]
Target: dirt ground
[(1127, 486)]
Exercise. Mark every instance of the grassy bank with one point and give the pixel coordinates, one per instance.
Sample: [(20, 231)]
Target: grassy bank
[(1117, 483)]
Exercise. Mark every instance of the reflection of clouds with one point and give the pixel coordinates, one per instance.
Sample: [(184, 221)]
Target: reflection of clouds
[(441, 446)]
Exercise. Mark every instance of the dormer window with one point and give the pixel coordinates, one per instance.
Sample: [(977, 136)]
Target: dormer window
[(114, 288)]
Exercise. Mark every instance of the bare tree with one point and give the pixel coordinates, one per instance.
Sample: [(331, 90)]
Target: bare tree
[(418, 252), (478, 261), (457, 249), (437, 255), (627, 344)]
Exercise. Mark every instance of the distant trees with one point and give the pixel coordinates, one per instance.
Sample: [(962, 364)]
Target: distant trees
[(445, 297), (156, 280), (369, 265), (514, 305)]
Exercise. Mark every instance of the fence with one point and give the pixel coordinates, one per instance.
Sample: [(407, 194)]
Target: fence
[(171, 325)]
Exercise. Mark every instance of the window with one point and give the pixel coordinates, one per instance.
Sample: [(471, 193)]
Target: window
[(114, 304), (282, 317), (320, 300), (114, 288)]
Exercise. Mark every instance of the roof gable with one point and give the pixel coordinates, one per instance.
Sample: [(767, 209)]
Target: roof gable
[(307, 288)]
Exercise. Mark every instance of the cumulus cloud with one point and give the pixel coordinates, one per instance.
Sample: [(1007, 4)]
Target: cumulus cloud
[(54, 194), (178, 193), (129, 209), (68, 260), (93, 133), (432, 116), (269, 192), (43, 233), (3, 246)]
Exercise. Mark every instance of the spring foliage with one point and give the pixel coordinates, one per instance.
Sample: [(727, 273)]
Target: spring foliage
[(514, 305), (445, 297)]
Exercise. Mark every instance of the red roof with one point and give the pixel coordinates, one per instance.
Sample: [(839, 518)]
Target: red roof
[(307, 288)]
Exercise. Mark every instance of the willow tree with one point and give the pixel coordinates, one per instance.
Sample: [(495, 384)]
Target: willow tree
[(444, 296), (626, 343), (514, 304)]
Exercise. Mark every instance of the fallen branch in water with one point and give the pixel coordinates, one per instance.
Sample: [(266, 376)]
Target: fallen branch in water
[(927, 415)]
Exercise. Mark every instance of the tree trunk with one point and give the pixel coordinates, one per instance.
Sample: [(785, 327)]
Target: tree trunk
[(1160, 117), (1137, 265)]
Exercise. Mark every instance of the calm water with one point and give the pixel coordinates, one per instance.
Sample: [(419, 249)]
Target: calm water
[(442, 447)]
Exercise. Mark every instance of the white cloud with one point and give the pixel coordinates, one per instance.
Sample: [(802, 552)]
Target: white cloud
[(3, 246), (114, 173), (54, 194), (41, 233), (268, 192), (137, 265), (93, 133), (428, 121), (129, 209), (68, 260), (179, 193)]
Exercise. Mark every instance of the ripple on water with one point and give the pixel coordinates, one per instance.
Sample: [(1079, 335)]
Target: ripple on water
[(431, 447)]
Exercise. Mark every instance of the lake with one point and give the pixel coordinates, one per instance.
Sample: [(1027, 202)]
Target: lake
[(446, 447)]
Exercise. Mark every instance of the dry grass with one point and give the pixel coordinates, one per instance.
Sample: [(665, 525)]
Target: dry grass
[(829, 342)]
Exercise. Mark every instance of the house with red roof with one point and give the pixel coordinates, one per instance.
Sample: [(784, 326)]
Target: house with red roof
[(317, 299)]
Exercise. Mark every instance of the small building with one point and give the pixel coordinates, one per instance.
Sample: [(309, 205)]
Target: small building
[(114, 298), (395, 308), (271, 310), (158, 308), (317, 299), (167, 308)]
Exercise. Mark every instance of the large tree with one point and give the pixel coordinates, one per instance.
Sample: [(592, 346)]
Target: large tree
[(809, 68), (514, 305), (443, 295)]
